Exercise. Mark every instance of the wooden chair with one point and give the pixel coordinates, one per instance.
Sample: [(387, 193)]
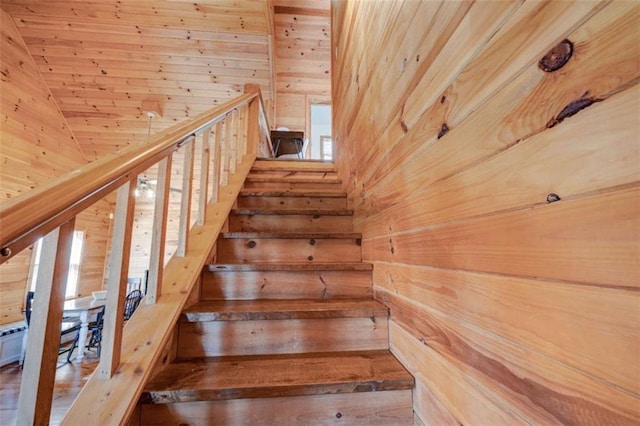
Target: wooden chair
[(131, 303), (68, 327), (287, 142)]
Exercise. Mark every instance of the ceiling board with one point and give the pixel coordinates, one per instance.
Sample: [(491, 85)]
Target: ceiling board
[(102, 59)]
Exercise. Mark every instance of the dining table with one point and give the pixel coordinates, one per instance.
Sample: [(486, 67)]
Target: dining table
[(83, 308)]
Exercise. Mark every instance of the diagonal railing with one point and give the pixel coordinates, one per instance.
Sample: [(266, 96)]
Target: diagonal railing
[(231, 137)]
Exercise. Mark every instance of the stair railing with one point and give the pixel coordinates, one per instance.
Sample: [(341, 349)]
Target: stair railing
[(232, 136)]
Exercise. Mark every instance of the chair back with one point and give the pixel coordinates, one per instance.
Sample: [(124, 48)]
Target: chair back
[(132, 302), (100, 317), (28, 304)]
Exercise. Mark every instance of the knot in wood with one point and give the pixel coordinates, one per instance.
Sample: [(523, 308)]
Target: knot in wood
[(557, 57), (552, 198), (252, 244), (443, 130)]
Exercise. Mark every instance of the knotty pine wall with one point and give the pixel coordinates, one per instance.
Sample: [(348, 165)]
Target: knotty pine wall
[(37, 145), (302, 59), (506, 307)]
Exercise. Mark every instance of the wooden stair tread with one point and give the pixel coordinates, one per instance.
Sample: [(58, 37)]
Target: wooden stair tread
[(277, 375), (292, 235), (254, 310), (293, 193), (305, 212), (292, 266)]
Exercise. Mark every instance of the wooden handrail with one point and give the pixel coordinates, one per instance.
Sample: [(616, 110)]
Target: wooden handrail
[(63, 198), (126, 363)]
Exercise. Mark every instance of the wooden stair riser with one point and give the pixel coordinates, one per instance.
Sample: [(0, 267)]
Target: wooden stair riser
[(222, 338), (292, 186), (293, 175), (365, 408), (290, 223), (292, 202), (243, 250), (254, 285), (297, 166)]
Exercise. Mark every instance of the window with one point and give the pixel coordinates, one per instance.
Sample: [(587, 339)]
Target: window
[(74, 264), (320, 119), (326, 148)]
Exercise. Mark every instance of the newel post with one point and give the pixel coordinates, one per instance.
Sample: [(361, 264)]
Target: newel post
[(253, 115)]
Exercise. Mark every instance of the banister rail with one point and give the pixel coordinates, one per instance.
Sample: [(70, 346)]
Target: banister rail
[(21, 224), (231, 136)]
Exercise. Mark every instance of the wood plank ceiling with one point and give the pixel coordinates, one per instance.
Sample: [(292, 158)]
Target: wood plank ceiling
[(102, 59)]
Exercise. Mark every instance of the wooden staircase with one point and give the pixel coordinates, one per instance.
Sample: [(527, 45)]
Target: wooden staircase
[(286, 330)]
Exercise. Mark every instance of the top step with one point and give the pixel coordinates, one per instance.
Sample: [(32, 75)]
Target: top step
[(293, 165)]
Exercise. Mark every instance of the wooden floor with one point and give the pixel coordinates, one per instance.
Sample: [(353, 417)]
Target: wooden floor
[(70, 377)]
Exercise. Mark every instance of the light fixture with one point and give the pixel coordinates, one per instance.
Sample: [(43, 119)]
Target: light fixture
[(152, 109), (145, 187)]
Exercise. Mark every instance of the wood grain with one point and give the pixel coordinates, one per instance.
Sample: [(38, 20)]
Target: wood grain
[(543, 316), (302, 51), (523, 382), (295, 202), (285, 375), (257, 310), (219, 338), (463, 397), (451, 140), (38, 145), (520, 110), (287, 284), (248, 250), (527, 172), (592, 240), (316, 222), (95, 403), (370, 408), (168, 51)]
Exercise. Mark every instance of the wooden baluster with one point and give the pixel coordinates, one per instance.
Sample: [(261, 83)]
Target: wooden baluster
[(216, 162), (185, 202), (243, 126), (38, 375), (224, 159), (159, 231), (233, 142), (204, 176), (117, 283), (237, 137)]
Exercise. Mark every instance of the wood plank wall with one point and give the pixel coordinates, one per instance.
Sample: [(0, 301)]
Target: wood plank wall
[(103, 59), (37, 145), (303, 59), (510, 305)]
